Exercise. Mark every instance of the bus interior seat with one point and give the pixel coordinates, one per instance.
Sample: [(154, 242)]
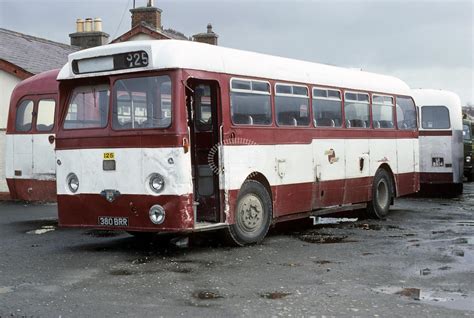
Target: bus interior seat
[(294, 121), (42, 127), (326, 122), (243, 119)]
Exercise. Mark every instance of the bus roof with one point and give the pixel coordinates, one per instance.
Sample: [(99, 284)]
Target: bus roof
[(439, 97), (436, 97), (171, 54), (42, 83)]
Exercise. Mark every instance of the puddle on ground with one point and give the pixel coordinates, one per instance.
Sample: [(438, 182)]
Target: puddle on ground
[(275, 295), (121, 272), (43, 230), (323, 238), (206, 295), (448, 299), (323, 262), (5, 289), (102, 233), (181, 270), (142, 260)]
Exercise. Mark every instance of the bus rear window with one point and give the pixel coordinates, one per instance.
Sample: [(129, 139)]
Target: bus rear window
[(88, 108), (142, 102), (435, 117)]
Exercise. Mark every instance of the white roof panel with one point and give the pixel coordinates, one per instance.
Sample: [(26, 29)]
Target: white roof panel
[(168, 54), (439, 97)]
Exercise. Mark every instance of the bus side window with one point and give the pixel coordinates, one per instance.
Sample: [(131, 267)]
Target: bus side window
[(356, 108), (327, 110), (406, 113), (24, 116), (45, 118), (382, 111), (291, 105), (250, 102)]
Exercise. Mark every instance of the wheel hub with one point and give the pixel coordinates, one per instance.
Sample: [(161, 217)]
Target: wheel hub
[(250, 213)]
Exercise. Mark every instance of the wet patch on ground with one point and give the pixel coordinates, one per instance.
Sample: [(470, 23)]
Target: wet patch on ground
[(35, 225), (121, 272), (274, 295), (43, 230), (206, 295), (103, 233), (322, 238), (454, 299)]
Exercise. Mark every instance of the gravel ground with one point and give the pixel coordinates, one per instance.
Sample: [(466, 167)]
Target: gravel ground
[(418, 262)]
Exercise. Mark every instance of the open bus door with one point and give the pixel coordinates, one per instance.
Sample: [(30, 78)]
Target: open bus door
[(202, 102)]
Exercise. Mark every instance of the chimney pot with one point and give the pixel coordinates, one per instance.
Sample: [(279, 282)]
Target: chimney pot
[(209, 28), (98, 25), (150, 3), (79, 25), (88, 25)]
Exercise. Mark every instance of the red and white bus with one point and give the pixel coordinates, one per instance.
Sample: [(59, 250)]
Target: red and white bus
[(441, 141), (176, 136), (29, 155)]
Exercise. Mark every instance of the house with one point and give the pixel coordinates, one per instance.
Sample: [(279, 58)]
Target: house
[(22, 56), (146, 25)]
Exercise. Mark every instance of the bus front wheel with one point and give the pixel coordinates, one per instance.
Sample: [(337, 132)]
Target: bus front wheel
[(382, 194), (253, 215)]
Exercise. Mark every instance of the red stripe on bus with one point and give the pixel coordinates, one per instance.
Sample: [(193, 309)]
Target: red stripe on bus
[(260, 136), (433, 177), (436, 133), (32, 189), (83, 210)]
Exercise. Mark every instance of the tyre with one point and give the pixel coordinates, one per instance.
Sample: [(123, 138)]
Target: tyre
[(253, 215), (382, 195)]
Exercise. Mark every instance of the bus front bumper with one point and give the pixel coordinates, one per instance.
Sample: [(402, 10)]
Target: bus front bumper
[(126, 212)]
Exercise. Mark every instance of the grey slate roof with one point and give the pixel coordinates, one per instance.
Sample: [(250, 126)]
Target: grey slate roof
[(34, 55), (175, 34)]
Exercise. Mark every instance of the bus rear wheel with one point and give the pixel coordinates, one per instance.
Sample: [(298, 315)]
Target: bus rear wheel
[(382, 195), (253, 215)]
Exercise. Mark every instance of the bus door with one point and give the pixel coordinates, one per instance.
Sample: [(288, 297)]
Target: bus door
[(44, 160), (203, 108), (33, 153)]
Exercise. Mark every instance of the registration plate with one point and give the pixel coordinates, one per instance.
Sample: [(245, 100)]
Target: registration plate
[(112, 221)]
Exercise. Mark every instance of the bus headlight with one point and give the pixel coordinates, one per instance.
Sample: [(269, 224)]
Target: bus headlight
[(468, 159), (72, 182), (157, 214), (156, 182)]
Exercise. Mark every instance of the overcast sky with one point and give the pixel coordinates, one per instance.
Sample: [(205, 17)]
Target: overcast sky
[(425, 43)]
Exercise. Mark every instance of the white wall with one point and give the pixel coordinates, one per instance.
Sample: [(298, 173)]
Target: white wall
[(141, 37), (7, 84)]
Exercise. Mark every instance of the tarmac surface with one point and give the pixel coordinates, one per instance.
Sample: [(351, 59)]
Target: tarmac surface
[(419, 262)]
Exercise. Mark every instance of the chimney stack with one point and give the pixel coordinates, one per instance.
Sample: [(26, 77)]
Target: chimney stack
[(149, 15), (209, 37), (89, 33)]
